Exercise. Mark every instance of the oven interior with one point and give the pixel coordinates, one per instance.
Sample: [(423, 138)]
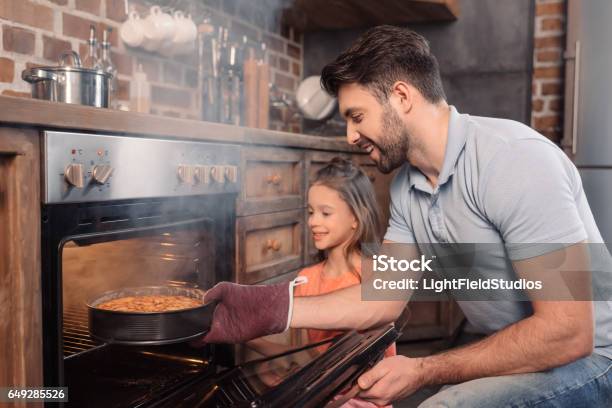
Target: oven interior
[(91, 248), (177, 254)]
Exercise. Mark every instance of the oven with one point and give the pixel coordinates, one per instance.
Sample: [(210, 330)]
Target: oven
[(124, 211)]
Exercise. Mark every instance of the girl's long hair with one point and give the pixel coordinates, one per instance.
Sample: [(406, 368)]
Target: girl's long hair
[(357, 191)]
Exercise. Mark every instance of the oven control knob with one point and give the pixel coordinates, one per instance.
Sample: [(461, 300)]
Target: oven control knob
[(218, 174), (201, 174), (74, 175), (185, 174), (231, 174), (101, 173)]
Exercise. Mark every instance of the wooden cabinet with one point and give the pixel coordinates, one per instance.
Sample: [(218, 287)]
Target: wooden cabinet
[(272, 180), (270, 209), (269, 245), (316, 15), (20, 300)]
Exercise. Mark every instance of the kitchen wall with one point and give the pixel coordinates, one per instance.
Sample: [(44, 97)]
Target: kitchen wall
[(35, 32), (487, 60)]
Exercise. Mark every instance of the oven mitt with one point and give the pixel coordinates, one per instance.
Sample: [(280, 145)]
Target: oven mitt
[(245, 312)]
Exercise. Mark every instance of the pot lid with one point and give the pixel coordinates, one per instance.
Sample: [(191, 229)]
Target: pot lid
[(70, 69), (68, 62)]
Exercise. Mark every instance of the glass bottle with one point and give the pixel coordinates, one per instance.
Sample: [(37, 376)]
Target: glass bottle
[(106, 64), (140, 92), (91, 59)]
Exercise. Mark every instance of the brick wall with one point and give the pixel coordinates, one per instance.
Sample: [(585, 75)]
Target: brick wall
[(35, 32), (548, 68)]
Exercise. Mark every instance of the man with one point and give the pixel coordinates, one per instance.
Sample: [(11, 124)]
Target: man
[(461, 179)]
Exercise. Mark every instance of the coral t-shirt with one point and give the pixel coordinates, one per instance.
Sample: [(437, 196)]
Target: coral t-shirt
[(318, 284)]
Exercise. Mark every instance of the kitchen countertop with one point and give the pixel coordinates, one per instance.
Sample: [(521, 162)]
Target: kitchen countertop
[(25, 112)]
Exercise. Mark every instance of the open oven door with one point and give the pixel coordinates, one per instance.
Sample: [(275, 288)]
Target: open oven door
[(307, 377)]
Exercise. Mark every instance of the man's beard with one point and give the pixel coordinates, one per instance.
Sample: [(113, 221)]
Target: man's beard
[(394, 144)]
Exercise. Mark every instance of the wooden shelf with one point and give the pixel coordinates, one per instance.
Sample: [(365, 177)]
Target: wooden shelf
[(312, 15)]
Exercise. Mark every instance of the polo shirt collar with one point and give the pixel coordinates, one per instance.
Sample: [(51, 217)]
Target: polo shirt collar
[(457, 134), (418, 179)]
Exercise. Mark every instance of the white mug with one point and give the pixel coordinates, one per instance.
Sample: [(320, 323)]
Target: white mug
[(192, 28), (185, 29), (131, 31), (167, 26), (158, 27), (167, 47)]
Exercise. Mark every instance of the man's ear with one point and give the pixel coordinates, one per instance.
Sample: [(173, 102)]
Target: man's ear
[(402, 96)]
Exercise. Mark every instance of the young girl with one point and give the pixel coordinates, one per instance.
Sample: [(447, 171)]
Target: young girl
[(343, 214)]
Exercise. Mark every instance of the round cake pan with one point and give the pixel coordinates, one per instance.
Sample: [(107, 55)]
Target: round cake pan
[(149, 328)]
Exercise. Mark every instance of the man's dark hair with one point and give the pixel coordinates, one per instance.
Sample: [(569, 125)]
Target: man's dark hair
[(382, 56)]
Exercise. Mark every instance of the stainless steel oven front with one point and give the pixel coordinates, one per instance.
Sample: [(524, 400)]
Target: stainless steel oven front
[(122, 211)]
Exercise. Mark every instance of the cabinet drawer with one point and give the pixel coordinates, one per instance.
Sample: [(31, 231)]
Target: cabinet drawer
[(272, 180), (269, 245)]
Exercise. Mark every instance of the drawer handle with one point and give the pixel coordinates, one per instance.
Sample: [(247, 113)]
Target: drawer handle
[(372, 177), (275, 179), (273, 244)]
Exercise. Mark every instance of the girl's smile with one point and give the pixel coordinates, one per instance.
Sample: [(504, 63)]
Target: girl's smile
[(318, 235)]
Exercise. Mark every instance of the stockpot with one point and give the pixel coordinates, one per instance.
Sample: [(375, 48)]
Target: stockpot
[(70, 82)]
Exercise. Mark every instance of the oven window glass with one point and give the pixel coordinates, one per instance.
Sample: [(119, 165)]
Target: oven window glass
[(177, 257)]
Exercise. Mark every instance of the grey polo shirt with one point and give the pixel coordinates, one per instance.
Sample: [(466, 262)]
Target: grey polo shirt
[(502, 183)]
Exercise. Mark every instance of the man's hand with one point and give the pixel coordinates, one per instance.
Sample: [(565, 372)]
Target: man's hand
[(245, 312), (392, 379)]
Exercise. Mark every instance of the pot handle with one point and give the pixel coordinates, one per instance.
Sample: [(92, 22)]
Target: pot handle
[(37, 74), (76, 60)]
